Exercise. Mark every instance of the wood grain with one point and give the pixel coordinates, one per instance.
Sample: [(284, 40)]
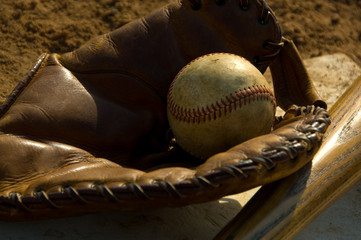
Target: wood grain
[(282, 209)]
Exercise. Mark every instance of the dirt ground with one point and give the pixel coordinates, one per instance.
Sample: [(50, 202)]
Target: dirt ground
[(31, 27)]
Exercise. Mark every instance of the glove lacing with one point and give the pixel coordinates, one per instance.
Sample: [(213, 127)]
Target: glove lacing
[(263, 18)]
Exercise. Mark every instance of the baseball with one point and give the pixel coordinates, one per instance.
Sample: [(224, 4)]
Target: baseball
[(218, 101)]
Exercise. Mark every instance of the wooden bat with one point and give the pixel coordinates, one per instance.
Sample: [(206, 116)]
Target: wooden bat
[(282, 209)]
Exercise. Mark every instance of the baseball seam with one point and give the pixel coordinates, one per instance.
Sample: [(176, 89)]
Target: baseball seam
[(221, 107), (206, 55)]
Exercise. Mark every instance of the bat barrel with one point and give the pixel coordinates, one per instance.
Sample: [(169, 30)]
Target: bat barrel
[(282, 209)]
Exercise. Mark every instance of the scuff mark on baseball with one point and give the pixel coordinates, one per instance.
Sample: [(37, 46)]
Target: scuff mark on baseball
[(218, 101)]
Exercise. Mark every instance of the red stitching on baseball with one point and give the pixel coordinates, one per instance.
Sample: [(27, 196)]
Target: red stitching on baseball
[(210, 112), (253, 93)]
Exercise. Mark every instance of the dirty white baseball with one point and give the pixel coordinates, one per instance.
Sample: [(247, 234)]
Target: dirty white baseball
[(218, 101)]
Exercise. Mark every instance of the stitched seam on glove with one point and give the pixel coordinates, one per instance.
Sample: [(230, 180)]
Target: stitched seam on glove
[(312, 131)]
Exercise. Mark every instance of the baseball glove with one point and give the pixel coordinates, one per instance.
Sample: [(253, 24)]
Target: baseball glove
[(87, 130)]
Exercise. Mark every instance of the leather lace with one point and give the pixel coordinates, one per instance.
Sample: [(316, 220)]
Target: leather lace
[(263, 18), (243, 4), (307, 140)]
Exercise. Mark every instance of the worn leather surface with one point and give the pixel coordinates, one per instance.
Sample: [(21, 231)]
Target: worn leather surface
[(109, 96), (292, 83), (87, 130)]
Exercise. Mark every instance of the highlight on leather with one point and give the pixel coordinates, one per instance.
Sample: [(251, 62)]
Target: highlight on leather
[(85, 131), (22, 84), (252, 163)]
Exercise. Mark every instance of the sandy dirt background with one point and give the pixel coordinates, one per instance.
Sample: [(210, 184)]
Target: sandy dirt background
[(31, 27)]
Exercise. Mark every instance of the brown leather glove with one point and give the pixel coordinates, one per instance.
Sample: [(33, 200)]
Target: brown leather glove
[(87, 130)]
